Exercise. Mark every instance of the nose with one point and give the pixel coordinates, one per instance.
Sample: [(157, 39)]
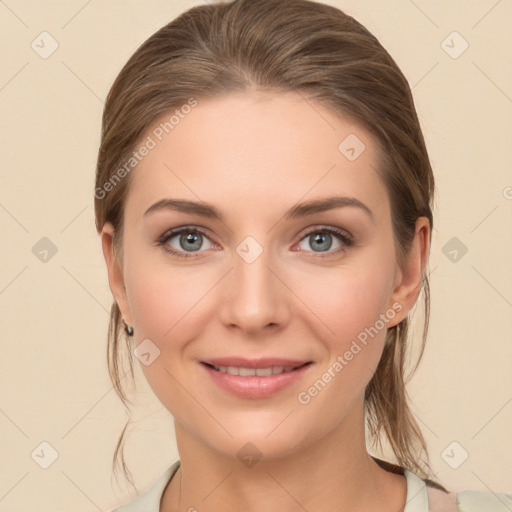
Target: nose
[(254, 296)]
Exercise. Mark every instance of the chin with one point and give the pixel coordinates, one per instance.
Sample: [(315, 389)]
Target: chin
[(261, 440)]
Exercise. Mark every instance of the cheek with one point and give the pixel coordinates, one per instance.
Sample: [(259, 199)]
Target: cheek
[(163, 301), (349, 299), (162, 306), (351, 307), (152, 310), (354, 315)]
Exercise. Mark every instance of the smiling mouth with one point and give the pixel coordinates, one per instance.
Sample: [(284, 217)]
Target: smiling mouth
[(258, 372)]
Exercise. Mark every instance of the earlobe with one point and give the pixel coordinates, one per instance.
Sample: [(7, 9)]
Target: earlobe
[(114, 270), (410, 279)]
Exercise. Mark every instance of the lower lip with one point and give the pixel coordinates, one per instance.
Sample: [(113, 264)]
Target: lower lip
[(256, 386)]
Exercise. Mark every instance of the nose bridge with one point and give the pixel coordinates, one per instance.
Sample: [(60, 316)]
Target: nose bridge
[(255, 295)]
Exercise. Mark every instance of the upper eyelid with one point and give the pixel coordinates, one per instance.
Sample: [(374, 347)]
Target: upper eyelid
[(171, 233)]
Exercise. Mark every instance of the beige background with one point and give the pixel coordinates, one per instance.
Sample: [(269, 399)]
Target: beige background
[(54, 314)]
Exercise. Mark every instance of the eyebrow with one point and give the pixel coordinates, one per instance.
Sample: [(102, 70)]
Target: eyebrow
[(297, 211)]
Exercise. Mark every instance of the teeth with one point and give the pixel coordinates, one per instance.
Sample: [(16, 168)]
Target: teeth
[(248, 372)]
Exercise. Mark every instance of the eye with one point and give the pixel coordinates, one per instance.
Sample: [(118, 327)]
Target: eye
[(187, 239), (321, 240)]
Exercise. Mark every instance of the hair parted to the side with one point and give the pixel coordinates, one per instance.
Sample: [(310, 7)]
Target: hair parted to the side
[(324, 55)]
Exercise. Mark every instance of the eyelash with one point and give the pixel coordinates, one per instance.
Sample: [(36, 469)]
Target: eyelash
[(345, 237)]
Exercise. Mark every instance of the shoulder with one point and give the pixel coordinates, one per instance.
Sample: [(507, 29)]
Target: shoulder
[(149, 500), (476, 501), (468, 501)]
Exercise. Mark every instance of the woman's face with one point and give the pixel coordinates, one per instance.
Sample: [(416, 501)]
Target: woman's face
[(273, 278)]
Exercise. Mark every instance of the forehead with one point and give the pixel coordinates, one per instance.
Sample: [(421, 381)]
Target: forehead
[(248, 150)]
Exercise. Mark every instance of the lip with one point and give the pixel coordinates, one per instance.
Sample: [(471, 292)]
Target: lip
[(255, 387), (262, 362)]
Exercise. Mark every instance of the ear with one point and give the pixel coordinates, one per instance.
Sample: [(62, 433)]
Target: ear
[(115, 272), (408, 280)]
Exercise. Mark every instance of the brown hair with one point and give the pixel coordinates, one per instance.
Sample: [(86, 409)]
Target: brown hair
[(296, 45)]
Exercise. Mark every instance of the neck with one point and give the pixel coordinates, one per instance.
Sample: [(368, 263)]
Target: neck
[(336, 468)]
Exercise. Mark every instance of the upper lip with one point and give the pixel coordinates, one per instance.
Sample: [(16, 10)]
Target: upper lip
[(264, 362)]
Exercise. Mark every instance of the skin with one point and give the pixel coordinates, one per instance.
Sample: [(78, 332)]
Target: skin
[(254, 155)]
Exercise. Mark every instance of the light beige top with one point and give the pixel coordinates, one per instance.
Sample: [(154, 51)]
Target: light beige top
[(420, 498)]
